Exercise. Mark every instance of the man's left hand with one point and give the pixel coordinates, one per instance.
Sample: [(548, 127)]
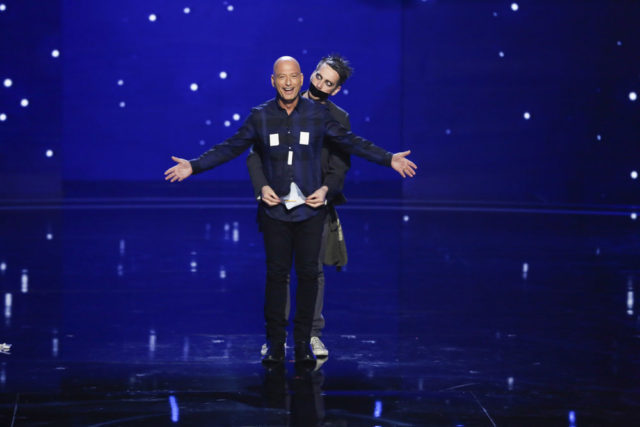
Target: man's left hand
[(402, 165), (317, 198)]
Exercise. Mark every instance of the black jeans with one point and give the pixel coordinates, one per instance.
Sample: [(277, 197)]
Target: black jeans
[(283, 242)]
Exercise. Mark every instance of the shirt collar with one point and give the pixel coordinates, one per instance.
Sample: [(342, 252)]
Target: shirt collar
[(279, 107)]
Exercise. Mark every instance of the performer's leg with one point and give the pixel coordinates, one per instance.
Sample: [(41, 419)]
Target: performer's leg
[(278, 245), (307, 240), (318, 318)]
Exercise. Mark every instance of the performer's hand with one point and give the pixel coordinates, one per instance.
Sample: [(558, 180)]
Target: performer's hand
[(180, 171), (403, 166), (269, 196), (317, 198)]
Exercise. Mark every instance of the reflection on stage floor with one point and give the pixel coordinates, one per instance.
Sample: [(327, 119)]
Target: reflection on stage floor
[(152, 315)]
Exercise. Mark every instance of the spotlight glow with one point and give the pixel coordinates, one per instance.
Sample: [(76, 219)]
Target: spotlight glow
[(633, 96), (194, 87), (230, 8), (619, 42), (7, 82), (24, 102), (345, 91), (634, 216), (207, 122), (122, 104), (526, 115), (501, 54), (49, 153), (236, 117), (153, 17), (599, 137), (634, 174), (3, 117), (223, 75), (515, 7), (187, 10), (227, 123), (120, 82), (447, 131), (55, 53), (3, 7)]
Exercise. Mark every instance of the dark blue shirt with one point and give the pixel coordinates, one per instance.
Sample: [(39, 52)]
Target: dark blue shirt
[(290, 147)]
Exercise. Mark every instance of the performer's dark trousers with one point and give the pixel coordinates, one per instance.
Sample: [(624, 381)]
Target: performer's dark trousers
[(286, 241)]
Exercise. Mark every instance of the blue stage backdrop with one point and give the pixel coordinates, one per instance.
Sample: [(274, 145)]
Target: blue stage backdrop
[(499, 101)]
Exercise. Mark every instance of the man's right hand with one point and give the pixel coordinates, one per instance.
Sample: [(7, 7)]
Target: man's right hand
[(269, 196), (180, 171)]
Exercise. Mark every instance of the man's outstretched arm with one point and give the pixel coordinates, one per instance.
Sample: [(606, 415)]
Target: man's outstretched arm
[(215, 156), (347, 141)]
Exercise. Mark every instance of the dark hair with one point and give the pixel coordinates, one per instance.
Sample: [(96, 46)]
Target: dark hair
[(340, 65)]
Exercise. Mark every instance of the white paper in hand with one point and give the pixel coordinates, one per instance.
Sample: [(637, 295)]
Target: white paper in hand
[(294, 198)]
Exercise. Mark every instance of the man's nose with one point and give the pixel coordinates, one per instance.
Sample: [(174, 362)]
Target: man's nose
[(287, 81)]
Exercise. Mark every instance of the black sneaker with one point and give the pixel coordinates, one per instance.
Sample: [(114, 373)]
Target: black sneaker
[(304, 353), (274, 353)]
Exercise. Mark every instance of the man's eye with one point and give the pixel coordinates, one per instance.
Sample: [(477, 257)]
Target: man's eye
[(318, 76)]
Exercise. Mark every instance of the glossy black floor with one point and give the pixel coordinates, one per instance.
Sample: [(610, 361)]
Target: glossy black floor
[(151, 314)]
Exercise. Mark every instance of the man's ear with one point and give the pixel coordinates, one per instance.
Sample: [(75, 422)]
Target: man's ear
[(273, 81)]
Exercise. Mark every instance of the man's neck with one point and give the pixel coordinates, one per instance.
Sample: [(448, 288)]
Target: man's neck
[(289, 107)]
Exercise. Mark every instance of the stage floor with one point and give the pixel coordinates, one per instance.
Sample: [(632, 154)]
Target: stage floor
[(151, 314)]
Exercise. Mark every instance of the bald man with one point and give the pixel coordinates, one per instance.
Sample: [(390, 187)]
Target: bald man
[(288, 132)]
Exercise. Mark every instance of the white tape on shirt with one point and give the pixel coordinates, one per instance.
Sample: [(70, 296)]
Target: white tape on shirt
[(304, 138), (274, 139), (290, 159)]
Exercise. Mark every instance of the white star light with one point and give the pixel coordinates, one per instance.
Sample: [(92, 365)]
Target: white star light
[(153, 17), (230, 8), (3, 117), (55, 53), (227, 123), (236, 117), (619, 42), (3, 7), (187, 10), (120, 82), (207, 122), (24, 102), (526, 115), (122, 104), (634, 174), (633, 96), (515, 7), (194, 87), (49, 153), (599, 137), (501, 54), (634, 216), (345, 91), (447, 131), (8, 82), (223, 75)]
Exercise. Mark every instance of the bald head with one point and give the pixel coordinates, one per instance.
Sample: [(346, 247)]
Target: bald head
[(287, 79), (285, 60)]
